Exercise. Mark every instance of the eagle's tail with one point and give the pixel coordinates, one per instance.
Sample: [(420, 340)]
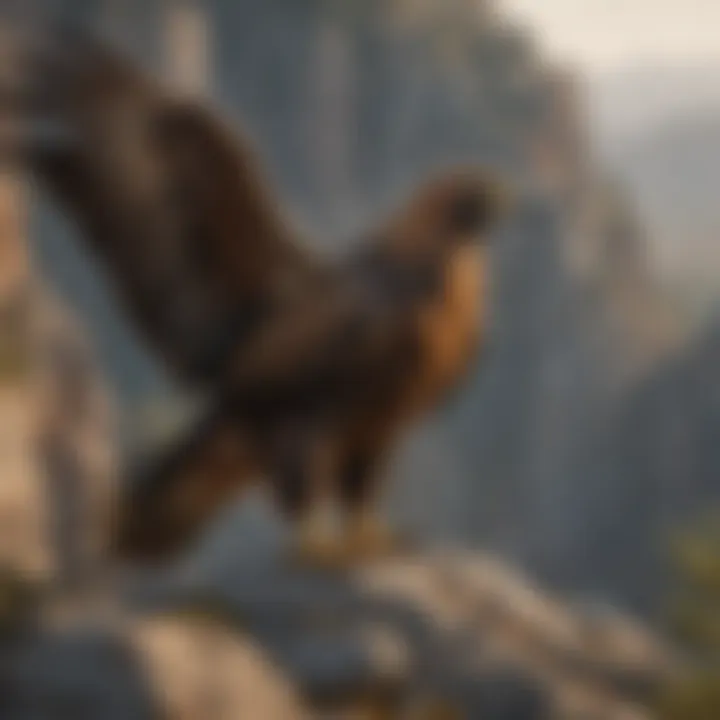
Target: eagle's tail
[(173, 500)]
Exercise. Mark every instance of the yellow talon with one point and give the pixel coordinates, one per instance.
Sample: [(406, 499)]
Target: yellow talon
[(316, 546), (368, 537)]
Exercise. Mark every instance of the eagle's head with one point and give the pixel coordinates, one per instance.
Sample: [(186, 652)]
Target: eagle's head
[(451, 210), (468, 204)]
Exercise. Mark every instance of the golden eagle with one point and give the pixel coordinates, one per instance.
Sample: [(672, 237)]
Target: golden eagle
[(313, 368)]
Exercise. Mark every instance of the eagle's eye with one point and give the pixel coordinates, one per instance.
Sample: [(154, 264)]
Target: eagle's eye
[(467, 214), (476, 207)]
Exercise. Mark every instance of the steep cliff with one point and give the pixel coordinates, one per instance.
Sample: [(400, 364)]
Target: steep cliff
[(661, 475)]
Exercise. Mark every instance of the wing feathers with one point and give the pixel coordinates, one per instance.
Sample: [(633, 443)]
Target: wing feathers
[(174, 499), (171, 200)]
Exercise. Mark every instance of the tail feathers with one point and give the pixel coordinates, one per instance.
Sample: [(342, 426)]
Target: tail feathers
[(168, 506)]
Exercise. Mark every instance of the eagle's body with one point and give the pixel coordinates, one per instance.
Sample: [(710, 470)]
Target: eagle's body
[(313, 370), (321, 395)]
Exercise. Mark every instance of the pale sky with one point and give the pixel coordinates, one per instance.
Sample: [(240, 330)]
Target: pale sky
[(607, 35)]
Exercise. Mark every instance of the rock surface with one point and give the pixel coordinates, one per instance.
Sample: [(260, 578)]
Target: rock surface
[(459, 631)]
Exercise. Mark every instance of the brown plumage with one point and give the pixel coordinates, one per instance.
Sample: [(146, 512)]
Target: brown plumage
[(169, 199), (313, 370)]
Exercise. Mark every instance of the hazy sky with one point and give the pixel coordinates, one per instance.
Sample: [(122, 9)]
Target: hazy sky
[(606, 35)]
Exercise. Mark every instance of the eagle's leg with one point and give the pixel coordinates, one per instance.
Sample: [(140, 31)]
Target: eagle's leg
[(366, 533), (303, 493), (314, 543)]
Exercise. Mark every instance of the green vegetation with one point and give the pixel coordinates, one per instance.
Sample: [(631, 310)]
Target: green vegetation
[(695, 621), (14, 345), (14, 362), (19, 601)]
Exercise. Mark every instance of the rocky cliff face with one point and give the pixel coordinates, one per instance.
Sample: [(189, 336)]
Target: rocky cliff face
[(457, 636), (663, 439)]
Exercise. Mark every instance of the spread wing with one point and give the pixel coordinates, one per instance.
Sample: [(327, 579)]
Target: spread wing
[(171, 201)]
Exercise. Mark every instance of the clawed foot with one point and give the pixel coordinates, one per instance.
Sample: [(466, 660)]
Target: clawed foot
[(369, 538), (316, 546), (365, 538), (322, 556)]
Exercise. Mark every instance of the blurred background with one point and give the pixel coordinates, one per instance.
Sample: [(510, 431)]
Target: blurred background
[(587, 440)]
